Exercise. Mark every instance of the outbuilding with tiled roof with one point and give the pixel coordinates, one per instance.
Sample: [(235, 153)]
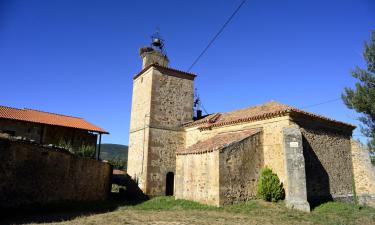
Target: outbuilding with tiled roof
[(49, 128)]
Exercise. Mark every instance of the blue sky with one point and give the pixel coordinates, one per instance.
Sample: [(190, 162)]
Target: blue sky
[(79, 57)]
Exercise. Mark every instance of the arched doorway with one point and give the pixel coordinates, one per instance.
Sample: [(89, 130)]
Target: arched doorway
[(169, 184)]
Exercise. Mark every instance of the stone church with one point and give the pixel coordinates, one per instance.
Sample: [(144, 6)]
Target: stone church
[(216, 159)]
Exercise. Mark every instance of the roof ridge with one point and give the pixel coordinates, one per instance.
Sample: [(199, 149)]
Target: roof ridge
[(156, 65), (57, 114), (237, 136), (10, 107), (260, 104), (48, 118), (271, 109), (170, 68)]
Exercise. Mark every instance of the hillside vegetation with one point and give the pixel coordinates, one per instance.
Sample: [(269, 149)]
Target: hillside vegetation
[(116, 154)]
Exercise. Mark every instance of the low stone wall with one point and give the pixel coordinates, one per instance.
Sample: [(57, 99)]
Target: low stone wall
[(240, 166), (328, 163), (31, 174), (364, 174), (197, 177)]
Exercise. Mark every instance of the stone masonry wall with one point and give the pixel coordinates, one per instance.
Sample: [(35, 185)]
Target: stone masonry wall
[(161, 158), (137, 156), (364, 173), (160, 105), (171, 106), (139, 131), (240, 165), (273, 153), (34, 175), (328, 162), (197, 177), (172, 101)]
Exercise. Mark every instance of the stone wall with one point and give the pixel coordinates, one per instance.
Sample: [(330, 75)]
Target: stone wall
[(197, 177), (273, 153), (139, 131), (171, 106), (161, 103), (172, 101), (137, 156), (161, 158), (364, 173), (328, 162), (240, 165), (31, 174)]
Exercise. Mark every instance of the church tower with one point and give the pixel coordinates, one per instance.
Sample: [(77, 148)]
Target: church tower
[(162, 102)]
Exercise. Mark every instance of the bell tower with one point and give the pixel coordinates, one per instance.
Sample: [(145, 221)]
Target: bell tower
[(162, 102)]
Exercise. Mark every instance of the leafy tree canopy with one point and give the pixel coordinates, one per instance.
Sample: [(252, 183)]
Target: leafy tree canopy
[(361, 98)]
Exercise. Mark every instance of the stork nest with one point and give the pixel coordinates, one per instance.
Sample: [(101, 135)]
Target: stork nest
[(145, 49)]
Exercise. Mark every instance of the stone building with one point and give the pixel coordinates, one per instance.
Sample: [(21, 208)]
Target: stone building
[(217, 159), (48, 128)]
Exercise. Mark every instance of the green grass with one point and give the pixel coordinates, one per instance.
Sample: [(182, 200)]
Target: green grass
[(343, 213), (167, 210), (334, 213), (244, 207), (169, 203)]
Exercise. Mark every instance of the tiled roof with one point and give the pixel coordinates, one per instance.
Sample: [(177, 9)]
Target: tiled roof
[(259, 112), (35, 116), (168, 71), (218, 142)]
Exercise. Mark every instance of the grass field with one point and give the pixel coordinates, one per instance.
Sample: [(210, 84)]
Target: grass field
[(166, 210)]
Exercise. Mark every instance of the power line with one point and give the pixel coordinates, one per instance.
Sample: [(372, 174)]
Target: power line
[(321, 103), (213, 40), (204, 109), (217, 34)]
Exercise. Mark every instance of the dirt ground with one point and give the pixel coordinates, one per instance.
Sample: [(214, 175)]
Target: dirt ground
[(188, 217), (163, 217)]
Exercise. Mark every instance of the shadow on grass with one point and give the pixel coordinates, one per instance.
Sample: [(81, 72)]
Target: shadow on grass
[(131, 195), (56, 212)]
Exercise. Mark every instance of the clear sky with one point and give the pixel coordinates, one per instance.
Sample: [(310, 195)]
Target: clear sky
[(79, 57)]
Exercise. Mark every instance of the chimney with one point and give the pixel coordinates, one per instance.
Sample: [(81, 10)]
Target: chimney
[(199, 114), (150, 56)]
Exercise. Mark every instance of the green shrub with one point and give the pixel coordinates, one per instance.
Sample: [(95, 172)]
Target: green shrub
[(86, 151), (65, 145), (269, 186)]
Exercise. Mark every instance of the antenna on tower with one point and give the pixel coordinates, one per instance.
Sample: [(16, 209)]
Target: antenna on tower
[(156, 41)]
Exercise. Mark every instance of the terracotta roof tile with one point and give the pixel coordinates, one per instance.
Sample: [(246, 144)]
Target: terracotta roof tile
[(259, 112), (35, 116), (218, 142)]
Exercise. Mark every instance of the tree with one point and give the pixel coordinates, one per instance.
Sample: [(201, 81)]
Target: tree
[(362, 97)]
